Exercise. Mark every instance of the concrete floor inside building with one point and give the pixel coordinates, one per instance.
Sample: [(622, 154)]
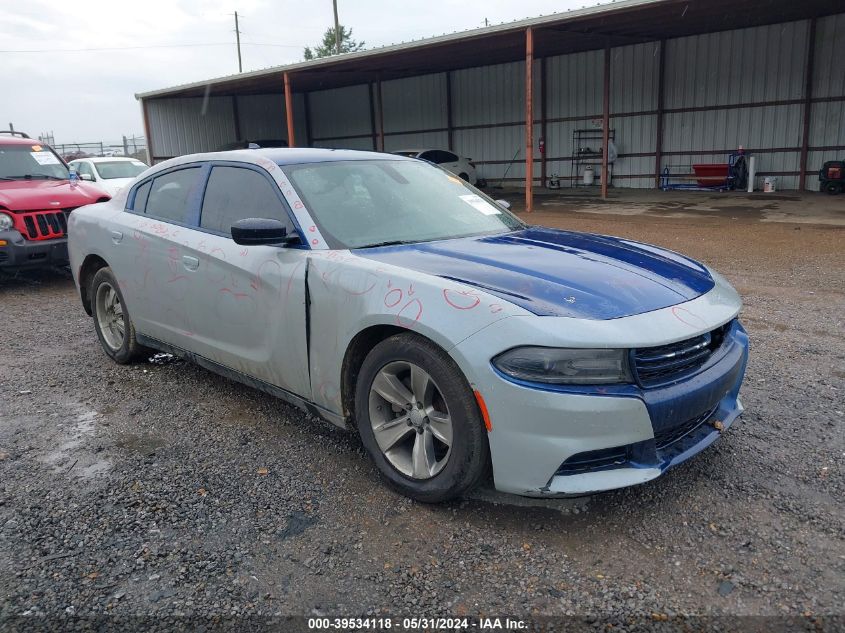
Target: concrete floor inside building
[(786, 206)]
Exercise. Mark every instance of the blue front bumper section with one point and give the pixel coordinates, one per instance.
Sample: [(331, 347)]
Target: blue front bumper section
[(687, 415)]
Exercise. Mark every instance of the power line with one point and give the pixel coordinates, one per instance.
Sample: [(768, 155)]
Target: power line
[(137, 48)]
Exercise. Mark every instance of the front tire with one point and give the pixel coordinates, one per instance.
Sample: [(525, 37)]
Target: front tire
[(419, 420), (111, 318)]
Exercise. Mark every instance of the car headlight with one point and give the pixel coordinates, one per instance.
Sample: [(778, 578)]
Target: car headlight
[(6, 222), (565, 366)]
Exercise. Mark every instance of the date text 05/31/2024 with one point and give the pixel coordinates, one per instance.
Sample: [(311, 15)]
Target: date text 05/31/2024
[(423, 623)]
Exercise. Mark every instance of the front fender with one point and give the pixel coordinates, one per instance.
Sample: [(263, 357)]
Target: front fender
[(348, 294)]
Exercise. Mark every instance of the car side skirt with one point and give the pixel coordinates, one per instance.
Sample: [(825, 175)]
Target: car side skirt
[(245, 379)]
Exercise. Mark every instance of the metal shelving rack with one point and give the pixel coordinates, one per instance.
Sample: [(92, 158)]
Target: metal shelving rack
[(584, 152)]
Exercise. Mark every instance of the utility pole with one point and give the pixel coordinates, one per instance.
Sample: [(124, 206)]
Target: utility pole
[(238, 38), (336, 30)]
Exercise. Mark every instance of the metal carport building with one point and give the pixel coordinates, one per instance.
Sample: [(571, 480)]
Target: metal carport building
[(675, 82)]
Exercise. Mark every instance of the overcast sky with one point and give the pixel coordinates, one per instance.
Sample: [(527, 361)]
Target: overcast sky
[(88, 95)]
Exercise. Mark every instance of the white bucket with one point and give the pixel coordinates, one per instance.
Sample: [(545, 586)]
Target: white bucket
[(589, 175), (770, 184)]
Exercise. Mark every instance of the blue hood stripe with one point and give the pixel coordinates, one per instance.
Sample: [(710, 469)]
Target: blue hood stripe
[(559, 273)]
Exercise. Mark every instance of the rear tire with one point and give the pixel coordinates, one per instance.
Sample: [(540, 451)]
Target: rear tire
[(111, 319), (464, 176), (419, 420), (833, 188)]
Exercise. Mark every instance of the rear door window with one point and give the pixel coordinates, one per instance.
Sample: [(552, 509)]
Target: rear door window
[(141, 195), (237, 193), (170, 195)]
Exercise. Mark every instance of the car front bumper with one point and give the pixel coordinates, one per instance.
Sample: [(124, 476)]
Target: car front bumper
[(20, 253), (556, 441)]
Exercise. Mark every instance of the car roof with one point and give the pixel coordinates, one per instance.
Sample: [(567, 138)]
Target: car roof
[(299, 155), (17, 140), (108, 159), (280, 155)]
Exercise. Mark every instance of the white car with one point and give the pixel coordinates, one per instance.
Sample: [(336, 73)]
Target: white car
[(461, 167), (110, 173), (383, 294)]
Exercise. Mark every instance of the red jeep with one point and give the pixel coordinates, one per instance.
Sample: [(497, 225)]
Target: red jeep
[(36, 196)]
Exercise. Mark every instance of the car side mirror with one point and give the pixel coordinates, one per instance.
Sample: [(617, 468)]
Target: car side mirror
[(262, 232), (87, 177), (504, 203)]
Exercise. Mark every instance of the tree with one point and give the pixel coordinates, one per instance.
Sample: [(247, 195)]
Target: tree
[(327, 46)]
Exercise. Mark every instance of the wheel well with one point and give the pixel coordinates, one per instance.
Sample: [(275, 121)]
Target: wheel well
[(357, 351), (89, 268)]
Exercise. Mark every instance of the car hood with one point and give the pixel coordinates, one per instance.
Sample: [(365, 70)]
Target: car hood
[(559, 273), (36, 195)]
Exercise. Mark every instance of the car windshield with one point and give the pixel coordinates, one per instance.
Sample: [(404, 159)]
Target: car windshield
[(120, 169), (19, 162), (375, 202)]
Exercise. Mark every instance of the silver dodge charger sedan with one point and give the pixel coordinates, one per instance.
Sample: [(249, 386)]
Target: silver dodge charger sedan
[(390, 296)]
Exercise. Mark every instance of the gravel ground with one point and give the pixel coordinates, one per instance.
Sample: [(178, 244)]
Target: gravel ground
[(162, 489)]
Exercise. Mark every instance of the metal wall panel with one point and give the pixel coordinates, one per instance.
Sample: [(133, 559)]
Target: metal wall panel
[(340, 111), (634, 74), (574, 85), (422, 140), (827, 124), (486, 96), (188, 125), (756, 128), (505, 145), (492, 94), (829, 76), (364, 142), (264, 116), (764, 63), (416, 103)]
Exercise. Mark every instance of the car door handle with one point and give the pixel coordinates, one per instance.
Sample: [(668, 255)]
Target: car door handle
[(191, 263), (116, 237)]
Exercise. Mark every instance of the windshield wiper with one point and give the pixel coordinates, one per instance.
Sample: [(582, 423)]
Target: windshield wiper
[(32, 176), (389, 243)]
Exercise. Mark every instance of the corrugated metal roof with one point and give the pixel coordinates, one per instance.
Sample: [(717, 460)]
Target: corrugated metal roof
[(325, 62)]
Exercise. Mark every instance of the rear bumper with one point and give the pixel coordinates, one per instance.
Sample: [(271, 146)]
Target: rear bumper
[(20, 253)]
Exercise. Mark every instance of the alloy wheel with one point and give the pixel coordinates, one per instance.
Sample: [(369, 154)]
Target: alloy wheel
[(410, 420), (110, 316)]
